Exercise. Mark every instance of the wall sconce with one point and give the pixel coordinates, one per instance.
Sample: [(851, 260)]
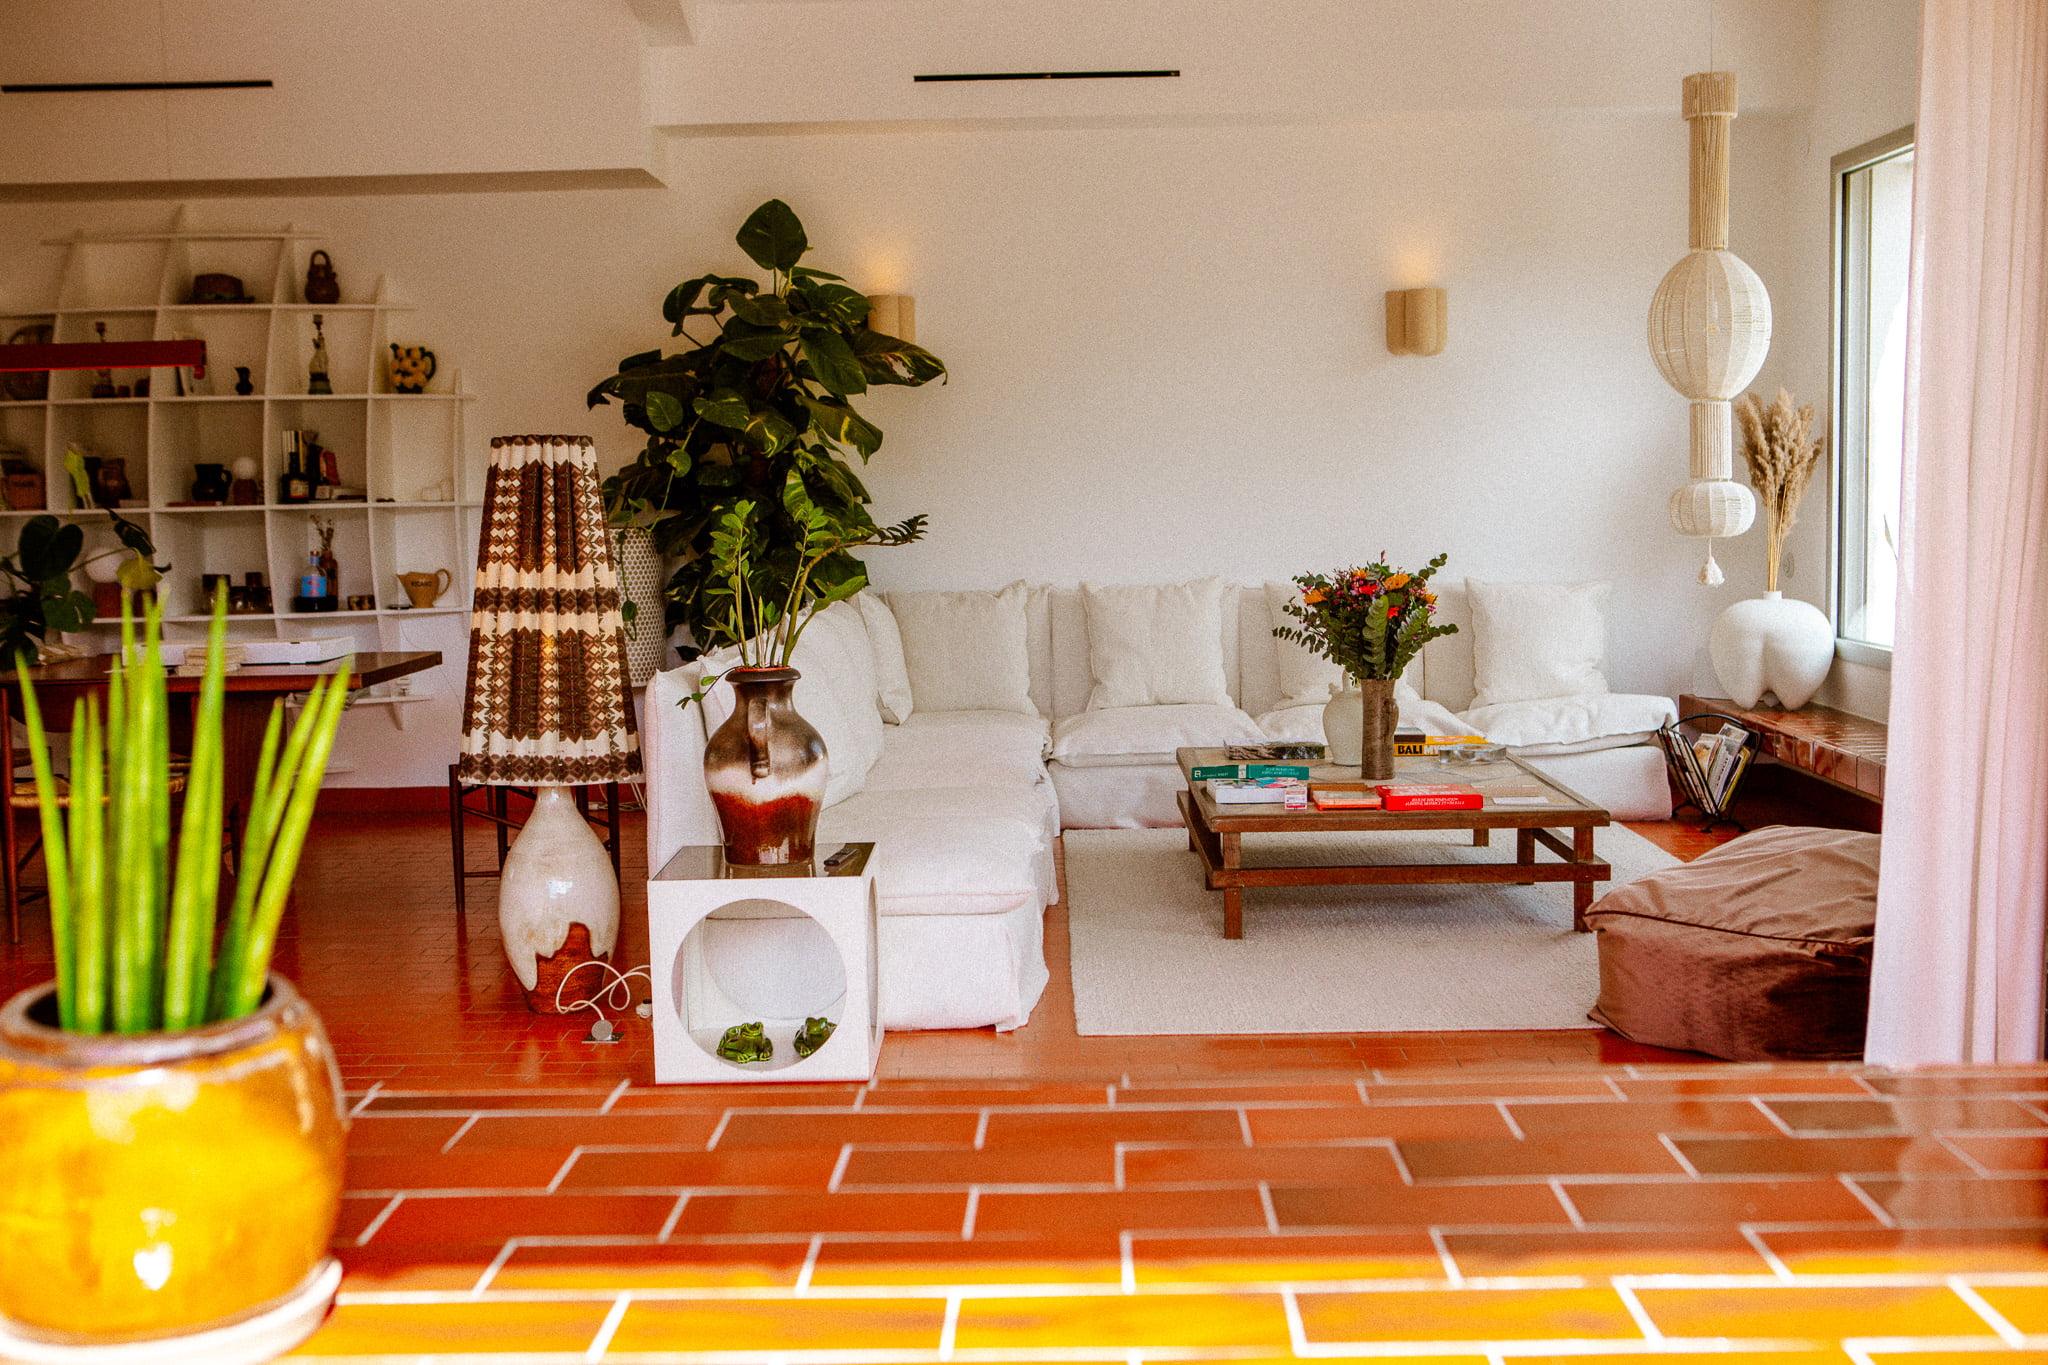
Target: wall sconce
[(893, 315), (1416, 321)]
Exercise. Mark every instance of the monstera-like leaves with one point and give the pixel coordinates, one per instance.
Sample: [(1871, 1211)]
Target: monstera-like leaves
[(762, 395)]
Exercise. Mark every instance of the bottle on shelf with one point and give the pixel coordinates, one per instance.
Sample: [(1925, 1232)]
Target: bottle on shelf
[(313, 586), (293, 485)]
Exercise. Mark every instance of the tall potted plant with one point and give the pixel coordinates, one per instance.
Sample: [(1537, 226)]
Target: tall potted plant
[(745, 479), (169, 1109), (1370, 621)]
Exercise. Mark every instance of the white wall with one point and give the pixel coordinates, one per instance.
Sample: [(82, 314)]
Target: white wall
[(1166, 341)]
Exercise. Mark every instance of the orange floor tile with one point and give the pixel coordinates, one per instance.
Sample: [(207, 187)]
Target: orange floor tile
[(519, 1193)]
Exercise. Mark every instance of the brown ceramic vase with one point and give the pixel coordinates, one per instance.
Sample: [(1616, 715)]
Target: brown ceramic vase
[(1382, 718), (765, 768)]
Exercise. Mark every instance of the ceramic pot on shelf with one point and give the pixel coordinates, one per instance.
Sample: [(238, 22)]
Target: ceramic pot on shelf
[(1775, 644), (765, 768), (171, 1194)]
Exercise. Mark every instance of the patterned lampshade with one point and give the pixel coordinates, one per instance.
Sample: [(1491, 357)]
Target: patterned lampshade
[(549, 700)]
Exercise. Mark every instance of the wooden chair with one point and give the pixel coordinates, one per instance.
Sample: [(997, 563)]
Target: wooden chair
[(21, 799), (496, 809)]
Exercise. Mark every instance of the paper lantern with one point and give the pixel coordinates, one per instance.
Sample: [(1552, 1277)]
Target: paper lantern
[(549, 705), (1710, 327)]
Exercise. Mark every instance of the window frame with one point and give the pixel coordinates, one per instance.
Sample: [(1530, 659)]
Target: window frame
[(1846, 478)]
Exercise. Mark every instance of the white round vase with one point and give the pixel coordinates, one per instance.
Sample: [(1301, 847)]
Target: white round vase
[(558, 880), (1344, 724), (1775, 644)]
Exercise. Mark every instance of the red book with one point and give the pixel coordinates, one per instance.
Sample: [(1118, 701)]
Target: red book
[(1448, 796)]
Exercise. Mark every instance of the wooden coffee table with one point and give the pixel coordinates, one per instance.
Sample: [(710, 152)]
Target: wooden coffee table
[(1216, 833)]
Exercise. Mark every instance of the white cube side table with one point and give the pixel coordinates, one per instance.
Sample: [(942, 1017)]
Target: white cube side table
[(732, 945)]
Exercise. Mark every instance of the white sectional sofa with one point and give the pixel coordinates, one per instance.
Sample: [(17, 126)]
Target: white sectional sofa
[(962, 740)]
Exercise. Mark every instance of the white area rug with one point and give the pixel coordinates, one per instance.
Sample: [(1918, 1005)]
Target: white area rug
[(1149, 956)]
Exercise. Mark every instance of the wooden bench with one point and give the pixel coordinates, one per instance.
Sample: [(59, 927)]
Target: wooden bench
[(1844, 751)]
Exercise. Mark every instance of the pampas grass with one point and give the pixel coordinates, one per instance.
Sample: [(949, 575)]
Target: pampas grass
[(1782, 454)]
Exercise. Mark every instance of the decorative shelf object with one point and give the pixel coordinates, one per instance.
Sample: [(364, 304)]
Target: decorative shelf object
[(406, 451)]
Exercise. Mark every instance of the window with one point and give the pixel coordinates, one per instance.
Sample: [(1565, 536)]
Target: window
[(1873, 227)]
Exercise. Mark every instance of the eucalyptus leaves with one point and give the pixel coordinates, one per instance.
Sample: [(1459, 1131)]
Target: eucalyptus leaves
[(132, 930), (756, 420), (1371, 621)]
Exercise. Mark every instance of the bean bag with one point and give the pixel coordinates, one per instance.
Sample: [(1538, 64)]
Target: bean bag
[(1758, 950)]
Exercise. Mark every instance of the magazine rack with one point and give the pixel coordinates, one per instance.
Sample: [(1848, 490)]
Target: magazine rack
[(1698, 792)]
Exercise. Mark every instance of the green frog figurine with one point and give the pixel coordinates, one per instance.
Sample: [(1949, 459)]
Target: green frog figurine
[(744, 1043), (813, 1035)]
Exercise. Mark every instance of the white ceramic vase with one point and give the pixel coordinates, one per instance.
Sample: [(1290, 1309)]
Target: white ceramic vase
[(1775, 644), (557, 877), (1344, 724)]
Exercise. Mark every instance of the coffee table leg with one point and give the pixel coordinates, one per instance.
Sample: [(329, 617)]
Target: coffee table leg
[(1233, 897), (1582, 887), (1481, 838), (1525, 850)]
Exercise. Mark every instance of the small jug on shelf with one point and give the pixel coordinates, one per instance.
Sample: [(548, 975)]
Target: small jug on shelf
[(322, 286), (411, 368)]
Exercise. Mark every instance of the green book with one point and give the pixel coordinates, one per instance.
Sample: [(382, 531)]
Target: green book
[(1259, 771), (1248, 772), (1226, 772)]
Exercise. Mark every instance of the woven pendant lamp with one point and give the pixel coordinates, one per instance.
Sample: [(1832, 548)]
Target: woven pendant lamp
[(550, 705), (1710, 328)]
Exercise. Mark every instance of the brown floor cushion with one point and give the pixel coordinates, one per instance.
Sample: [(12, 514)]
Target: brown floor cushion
[(1756, 950)]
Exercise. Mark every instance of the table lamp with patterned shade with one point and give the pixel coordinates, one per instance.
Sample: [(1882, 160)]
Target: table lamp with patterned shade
[(549, 704)]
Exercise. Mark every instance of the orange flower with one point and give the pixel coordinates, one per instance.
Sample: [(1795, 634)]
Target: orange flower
[(1314, 597), (1399, 580)]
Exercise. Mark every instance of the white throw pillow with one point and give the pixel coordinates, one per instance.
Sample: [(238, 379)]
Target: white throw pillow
[(966, 651), (1139, 736), (1156, 644), (836, 694), (1536, 640), (1306, 677), (885, 642)]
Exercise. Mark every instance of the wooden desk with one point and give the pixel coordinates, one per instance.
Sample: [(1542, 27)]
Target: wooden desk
[(251, 691)]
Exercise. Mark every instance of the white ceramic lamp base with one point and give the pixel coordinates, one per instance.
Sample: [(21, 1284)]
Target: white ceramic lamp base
[(558, 904)]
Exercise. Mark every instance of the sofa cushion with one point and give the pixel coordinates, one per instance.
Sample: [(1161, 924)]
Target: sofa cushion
[(1573, 725), (1155, 644), (944, 853), (962, 748), (1131, 735), (966, 651), (1758, 949), (1305, 676), (1536, 640), (885, 643), (836, 694)]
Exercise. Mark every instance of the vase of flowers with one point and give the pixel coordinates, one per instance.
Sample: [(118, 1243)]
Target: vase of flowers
[(1774, 643), (170, 1109), (1370, 621)]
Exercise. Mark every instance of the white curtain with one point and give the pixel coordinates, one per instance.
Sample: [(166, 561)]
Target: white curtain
[(1964, 888)]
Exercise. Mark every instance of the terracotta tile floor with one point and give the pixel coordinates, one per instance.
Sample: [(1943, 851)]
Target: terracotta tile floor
[(516, 1193)]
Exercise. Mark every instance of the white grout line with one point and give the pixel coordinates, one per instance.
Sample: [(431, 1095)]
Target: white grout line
[(1297, 1332), (602, 1342), (456, 1136), (1266, 1203), (1976, 1167), (1128, 1263), (973, 1208), (2011, 1335), (675, 1216), (950, 1330), (1771, 1116), (505, 1253), (1244, 1126), (810, 1265), (609, 1100), (718, 1130), (1443, 1253), (376, 1088), (383, 1214), (1509, 1115), (1627, 1295), (1571, 1210), (1680, 1157), (839, 1168), (1763, 1249), (1877, 1210), (981, 1130)]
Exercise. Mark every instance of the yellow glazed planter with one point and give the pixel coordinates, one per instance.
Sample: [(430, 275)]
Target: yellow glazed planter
[(162, 1186)]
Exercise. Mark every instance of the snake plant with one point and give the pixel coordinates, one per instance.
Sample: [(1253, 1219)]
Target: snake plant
[(133, 924)]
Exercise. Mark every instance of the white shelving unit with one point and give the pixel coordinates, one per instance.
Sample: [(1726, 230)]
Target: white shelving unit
[(406, 450)]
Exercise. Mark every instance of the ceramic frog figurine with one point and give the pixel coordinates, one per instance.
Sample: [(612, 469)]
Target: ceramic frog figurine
[(813, 1035), (745, 1043)]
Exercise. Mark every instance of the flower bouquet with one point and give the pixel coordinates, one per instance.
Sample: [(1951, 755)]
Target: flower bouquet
[(1370, 621)]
